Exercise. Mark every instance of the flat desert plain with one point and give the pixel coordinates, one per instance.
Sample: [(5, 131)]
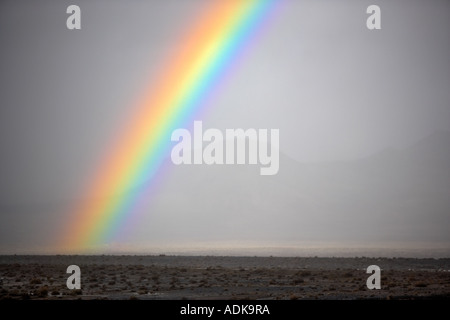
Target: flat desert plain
[(221, 277)]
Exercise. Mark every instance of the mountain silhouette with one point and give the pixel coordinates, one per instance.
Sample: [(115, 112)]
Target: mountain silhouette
[(393, 195)]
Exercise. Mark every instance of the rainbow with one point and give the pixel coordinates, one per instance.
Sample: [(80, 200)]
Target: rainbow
[(206, 52)]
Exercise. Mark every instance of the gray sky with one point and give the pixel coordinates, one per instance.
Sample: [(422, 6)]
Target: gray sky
[(336, 91)]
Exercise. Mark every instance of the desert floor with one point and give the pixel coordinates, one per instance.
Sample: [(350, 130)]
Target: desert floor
[(214, 277)]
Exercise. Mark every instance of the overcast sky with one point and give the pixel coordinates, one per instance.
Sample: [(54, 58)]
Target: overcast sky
[(335, 90)]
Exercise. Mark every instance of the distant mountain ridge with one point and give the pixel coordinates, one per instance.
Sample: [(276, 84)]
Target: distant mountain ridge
[(394, 195)]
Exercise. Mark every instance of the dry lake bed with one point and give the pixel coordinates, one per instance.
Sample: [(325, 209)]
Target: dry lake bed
[(220, 277)]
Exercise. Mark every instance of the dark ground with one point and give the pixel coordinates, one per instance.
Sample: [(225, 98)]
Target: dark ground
[(213, 277)]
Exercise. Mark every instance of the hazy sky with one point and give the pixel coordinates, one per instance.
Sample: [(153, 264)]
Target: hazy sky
[(334, 89)]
